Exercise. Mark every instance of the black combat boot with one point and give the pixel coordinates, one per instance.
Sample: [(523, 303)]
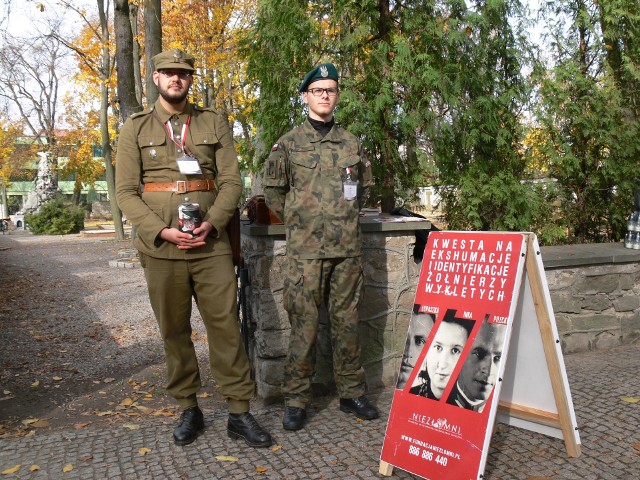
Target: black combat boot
[(294, 418), (191, 422), (361, 406), (243, 425)]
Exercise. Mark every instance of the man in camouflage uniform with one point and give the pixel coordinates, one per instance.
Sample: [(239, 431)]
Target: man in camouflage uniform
[(313, 180), (166, 153)]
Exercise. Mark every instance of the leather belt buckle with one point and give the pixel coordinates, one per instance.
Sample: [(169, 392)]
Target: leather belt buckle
[(181, 186)]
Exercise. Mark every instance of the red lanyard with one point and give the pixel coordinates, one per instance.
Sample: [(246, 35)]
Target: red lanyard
[(185, 130)]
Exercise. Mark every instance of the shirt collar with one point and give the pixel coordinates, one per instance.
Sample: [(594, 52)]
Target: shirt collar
[(165, 116)]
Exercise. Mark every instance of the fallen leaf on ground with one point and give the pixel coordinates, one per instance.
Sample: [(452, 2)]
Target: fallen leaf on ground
[(67, 468), (226, 458), (79, 426), (40, 424), (204, 395), (127, 402), (108, 380), (261, 469), (34, 468), (630, 399), (103, 414), (11, 470), (275, 448), (144, 409), (57, 379), (29, 421), (6, 392), (131, 426), (636, 446), (144, 451), (35, 384), (86, 458)]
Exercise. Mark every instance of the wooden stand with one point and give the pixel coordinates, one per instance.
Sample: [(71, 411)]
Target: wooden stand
[(534, 397)]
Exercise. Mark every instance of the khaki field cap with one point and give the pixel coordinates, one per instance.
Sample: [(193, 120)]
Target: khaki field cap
[(323, 71), (174, 59)]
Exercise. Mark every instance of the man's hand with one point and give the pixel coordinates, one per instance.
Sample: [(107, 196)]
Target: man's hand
[(187, 241)]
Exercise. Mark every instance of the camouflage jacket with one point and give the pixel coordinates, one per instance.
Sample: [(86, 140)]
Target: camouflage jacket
[(304, 185), (146, 154)]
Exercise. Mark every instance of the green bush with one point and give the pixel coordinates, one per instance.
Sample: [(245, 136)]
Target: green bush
[(56, 218)]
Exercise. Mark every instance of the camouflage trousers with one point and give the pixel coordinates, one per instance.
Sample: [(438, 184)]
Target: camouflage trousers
[(338, 282)]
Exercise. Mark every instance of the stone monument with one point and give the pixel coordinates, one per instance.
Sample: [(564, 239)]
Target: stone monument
[(45, 188)]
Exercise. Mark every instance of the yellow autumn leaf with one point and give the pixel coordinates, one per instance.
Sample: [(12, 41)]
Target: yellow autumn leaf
[(275, 448), (226, 458), (108, 380), (103, 414), (261, 469), (57, 379), (630, 399), (204, 395), (127, 402), (144, 409), (40, 424), (131, 426), (9, 471), (144, 451), (67, 468), (6, 392), (35, 384), (29, 421), (34, 468)]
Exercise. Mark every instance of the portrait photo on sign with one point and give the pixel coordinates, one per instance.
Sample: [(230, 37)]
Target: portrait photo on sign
[(420, 326), (442, 356), (479, 372)]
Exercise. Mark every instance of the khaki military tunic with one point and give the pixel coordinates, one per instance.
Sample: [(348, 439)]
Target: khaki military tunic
[(146, 154), (304, 180)]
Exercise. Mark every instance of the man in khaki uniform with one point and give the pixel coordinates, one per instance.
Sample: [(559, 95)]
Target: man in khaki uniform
[(313, 180), (166, 153)]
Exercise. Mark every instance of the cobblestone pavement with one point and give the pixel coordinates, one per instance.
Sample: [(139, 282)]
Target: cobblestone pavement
[(335, 445)]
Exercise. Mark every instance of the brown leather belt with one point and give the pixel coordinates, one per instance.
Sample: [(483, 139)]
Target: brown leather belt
[(181, 186)]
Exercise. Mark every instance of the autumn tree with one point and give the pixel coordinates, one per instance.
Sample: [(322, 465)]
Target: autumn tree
[(12, 158), (30, 71), (213, 39)]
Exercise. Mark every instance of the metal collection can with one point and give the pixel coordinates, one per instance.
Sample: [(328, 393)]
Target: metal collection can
[(189, 217)]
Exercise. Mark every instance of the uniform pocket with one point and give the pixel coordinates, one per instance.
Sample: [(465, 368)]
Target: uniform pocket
[(304, 161), (151, 147)]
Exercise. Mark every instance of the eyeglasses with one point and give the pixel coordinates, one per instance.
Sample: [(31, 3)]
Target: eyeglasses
[(182, 74), (318, 92)]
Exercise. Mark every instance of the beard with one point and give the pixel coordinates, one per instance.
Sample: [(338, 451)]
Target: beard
[(173, 98)]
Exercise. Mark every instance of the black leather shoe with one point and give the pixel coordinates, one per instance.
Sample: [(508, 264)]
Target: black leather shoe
[(243, 425), (191, 422), (361, 406), (294, 418)]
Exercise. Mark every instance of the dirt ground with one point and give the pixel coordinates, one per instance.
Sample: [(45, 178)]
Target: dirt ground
[(78, 341)]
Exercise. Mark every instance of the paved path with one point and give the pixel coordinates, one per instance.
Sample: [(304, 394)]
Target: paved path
[(334, 445)]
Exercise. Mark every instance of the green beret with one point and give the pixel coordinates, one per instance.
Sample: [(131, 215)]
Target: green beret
[(323, 71), (174, 59)]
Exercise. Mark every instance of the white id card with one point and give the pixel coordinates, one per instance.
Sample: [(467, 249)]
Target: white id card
[(189, 165), (350, 189)]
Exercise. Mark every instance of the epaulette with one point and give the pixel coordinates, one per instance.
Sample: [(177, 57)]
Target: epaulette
[(205, 109), (146, 111)]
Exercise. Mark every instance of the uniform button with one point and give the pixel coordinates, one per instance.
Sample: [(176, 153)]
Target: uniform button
[(179, 150)]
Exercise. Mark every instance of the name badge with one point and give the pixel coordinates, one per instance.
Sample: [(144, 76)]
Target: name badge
[(189, 165), (350, 189)]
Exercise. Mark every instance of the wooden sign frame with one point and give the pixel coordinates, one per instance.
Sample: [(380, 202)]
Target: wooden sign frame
[(535, 392)]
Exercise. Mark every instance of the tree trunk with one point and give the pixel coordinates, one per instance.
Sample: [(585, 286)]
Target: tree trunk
[(152, 44), (133, 20), (126, 85), (104, 124)]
